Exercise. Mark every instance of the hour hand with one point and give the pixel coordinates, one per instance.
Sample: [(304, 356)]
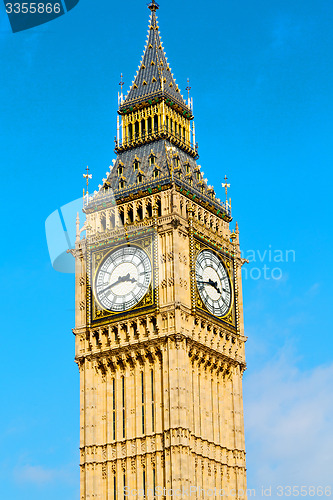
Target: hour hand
[(121, 279), (212, 283), (128, 278)]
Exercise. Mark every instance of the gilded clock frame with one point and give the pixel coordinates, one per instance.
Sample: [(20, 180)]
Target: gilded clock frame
[(197, 304), (149, 302)]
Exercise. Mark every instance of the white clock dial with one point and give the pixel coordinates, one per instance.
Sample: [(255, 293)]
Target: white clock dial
[(123, 279), (213, 283)]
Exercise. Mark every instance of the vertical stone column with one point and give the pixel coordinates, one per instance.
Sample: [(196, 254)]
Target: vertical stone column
[(178, 375), (117, 218), (196, 399), (166, 407), (144, 208), (137, 399), (219, 407), (213, 404), (126, 214), (81, 365), (169, 267), (239, 304), (80, 288), (239, 424), (135, 210)]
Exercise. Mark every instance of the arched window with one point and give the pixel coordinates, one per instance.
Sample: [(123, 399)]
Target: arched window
[(120, 170), (140, 213), (155, 123), (159, 207), (103, 222), (143, 128), (136, 165), (149, 125), (152, 160), (130, 215), (136, 130), (139, 179), (156, 173), (149, 210), (130, 132)]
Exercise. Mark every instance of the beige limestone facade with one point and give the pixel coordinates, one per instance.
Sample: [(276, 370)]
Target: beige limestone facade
[(159, 330), (161, 392)]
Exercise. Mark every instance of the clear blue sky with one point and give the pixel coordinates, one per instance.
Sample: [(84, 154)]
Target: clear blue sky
[(262, 83)]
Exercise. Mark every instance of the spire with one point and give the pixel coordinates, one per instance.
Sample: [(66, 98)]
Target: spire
[(154, 77)]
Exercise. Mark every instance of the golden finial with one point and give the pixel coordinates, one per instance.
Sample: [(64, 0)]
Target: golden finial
[(153, 6), (87, 176), (188, 88), (226, 186), (121, 83), (120, 95)]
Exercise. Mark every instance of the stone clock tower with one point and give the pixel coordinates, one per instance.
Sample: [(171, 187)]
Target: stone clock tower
[(159, 314)]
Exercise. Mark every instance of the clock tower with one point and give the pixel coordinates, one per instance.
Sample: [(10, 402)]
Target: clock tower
[(159, 329)]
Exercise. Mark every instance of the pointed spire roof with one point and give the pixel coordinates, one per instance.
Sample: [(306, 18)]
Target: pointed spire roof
[(154, 77)]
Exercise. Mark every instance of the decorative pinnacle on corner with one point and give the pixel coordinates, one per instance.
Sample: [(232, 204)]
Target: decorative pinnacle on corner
[(153, 6)]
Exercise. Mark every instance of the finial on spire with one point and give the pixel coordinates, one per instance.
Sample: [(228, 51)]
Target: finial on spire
[(120, 95), (121, 83), (188, 88), (189, 100), (87, 176), (153, 6), (226, 186)]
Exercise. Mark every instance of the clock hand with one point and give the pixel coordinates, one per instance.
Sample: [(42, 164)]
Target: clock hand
[(211, 283), (120, 279), (128, 278), (214, 285)]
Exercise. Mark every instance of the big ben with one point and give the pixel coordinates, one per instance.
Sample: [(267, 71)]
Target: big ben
[(159, 330)]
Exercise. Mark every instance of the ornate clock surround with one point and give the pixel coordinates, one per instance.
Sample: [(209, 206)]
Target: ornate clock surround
[(197, 304), (96, 255)]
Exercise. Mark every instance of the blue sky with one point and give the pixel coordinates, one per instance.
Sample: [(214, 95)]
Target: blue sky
[(262, 84)]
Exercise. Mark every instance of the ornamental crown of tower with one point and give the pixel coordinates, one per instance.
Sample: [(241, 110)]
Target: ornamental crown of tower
[(155, 142)]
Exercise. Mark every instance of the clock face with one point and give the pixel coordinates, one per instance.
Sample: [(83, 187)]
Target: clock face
[(213, 283), (123, 279)]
